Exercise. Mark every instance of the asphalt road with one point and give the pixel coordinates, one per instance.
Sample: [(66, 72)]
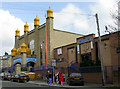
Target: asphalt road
[(15, 85)]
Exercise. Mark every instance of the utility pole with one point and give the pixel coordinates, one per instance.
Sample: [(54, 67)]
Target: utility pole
[(101, 57)]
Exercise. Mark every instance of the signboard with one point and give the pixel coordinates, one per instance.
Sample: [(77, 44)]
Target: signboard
[(84, 40), (53, 62)]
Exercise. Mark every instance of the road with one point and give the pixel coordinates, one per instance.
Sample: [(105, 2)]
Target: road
[(15, 85)]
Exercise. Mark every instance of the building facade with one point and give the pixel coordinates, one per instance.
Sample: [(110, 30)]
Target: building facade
[(84, 56), (36, 47)]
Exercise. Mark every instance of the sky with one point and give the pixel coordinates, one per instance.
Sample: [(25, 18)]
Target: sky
[(77, 16)]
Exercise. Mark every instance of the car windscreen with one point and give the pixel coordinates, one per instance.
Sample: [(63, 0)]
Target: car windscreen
[(7, 73), (76, 74), (22, 75)]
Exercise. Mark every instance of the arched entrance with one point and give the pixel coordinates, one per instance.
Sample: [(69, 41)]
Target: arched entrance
[(30, 65)]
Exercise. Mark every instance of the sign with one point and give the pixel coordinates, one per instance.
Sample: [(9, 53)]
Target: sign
[(53, 62), (84, 40)]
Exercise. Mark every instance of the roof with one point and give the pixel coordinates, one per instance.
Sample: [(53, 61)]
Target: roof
[(86, 35), (65, 45), (68, 32)]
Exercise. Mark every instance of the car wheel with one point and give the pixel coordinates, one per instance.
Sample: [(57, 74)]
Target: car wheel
[(12, 80), (18, 80), (25, 81), (70, 83), (82, 84)]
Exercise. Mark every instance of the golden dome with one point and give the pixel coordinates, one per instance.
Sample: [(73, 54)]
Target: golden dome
[(19, 50), (49, 12), (17, 32), (13, 52), (26, 27), (24, 49), (28, 51), (23, 45), (36, 21)]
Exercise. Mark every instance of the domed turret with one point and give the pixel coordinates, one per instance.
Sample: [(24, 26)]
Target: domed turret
[(49, 12), (17, 32), (23, 48), (28, 51), (36, 21), (26, 27), (13, 52), (19, 51)]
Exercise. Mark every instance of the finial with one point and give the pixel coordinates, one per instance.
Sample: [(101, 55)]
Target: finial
[(49, 7), (26, 22)]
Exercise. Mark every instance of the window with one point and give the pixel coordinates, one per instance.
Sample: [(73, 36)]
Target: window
[(91, 45), (59, 51), (78, 50), (32, 46)]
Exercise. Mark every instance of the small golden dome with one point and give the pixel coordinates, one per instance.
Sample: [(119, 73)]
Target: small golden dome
[(36, 21), (28, 51), (49, 12), (13, 52), (19, 50), (23, 45), (17, 32), (26, 27)]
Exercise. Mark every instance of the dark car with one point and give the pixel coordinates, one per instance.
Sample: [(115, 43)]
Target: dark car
[(6, 76), (20, 78), (75, 78)]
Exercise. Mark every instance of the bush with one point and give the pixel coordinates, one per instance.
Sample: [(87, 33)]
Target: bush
[(24, 69)]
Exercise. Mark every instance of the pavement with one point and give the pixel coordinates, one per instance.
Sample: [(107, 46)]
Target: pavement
[(44, 83)]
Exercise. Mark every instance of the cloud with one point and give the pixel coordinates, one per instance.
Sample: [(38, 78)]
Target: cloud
[(104, 9), (72, 19), (8, 25)]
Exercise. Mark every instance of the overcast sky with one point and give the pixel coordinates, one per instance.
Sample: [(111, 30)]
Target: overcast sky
[(77, 16)]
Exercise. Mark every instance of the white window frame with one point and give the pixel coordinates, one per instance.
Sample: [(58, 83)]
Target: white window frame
[(59, 51), (78, 50), (32, 46)]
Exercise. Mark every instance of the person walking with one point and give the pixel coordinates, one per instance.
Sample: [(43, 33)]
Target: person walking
[(47, 76), (61, 78), (50, 78)]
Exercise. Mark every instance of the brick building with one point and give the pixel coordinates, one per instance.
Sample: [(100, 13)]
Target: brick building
[(86, 49)]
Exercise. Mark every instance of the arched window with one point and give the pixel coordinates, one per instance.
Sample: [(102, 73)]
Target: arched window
[(32, 46)]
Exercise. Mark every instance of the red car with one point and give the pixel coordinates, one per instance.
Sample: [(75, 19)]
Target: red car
[(20, 78)]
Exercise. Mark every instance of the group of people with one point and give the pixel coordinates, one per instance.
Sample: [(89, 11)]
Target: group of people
[(58, 78)]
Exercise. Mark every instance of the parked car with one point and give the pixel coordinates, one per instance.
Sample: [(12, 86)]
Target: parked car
[(5, 76), (75, 78), (20, 78)]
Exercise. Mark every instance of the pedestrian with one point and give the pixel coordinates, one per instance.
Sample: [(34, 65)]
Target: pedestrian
[(47, 76), (61, 78), (57, 78), (50, 78)]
